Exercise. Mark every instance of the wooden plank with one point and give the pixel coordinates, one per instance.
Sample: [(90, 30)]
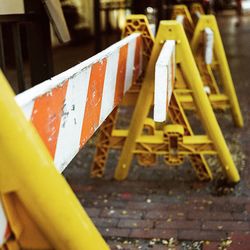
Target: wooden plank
[(11, 7), (67, 109), (164, 80), (55, 13)]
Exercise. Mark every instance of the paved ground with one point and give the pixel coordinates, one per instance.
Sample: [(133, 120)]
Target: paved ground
[(167, 208)]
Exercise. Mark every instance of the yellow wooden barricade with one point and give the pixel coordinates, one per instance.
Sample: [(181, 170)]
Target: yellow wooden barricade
[(159, 142), (222, 95)]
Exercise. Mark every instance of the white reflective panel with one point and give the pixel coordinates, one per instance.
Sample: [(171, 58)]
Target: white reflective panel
[(164, 76), (209, 44)]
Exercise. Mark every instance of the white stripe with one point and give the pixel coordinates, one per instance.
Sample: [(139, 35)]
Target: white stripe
[(109, 86), (163, 80), (27, 110), (68, 142), (209, 43), (160, 94), (45, 87), (180, 19), (130, 65), (3, 225)]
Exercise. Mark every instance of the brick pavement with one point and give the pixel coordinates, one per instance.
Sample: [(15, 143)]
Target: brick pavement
[(167, 208)]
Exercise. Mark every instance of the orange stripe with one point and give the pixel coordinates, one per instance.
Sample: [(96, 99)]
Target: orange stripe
[(121, 72), (47, 114), (137, 58), (94, 100)]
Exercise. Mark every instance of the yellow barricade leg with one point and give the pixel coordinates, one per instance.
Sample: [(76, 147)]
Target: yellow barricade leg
[(171, 30), (226, 78), (134, 23), (28, 178)]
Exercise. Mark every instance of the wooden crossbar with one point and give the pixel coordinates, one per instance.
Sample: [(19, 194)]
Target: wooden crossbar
[(180, 19), (209, 44), (164, 80), (67, 109)]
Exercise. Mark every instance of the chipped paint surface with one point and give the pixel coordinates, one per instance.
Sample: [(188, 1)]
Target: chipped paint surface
[(67, 109)]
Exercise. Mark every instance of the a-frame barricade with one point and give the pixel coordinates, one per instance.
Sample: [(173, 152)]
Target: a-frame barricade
[(209, 54), (185, 63), (158, 142)]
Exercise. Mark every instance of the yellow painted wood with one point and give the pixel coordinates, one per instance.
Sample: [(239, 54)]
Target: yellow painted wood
[(226, 78), (171, 30)]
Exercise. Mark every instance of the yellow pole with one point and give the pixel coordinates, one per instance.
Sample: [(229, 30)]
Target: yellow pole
[(29, 171)]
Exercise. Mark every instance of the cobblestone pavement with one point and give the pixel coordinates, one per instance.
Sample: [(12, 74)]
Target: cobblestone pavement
[(167, 208)]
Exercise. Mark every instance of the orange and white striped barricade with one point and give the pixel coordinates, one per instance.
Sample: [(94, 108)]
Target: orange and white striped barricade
[(67, 109), (134, 24)]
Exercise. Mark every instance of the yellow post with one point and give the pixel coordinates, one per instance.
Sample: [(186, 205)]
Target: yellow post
[(134, 24), (171, 30), (28, 172), (210, 21)]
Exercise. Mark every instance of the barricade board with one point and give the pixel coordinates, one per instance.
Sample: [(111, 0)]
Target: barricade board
[(164, 80), (67, 109)]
